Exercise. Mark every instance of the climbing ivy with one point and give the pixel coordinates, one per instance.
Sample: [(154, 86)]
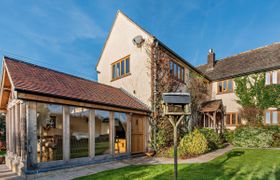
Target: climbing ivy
[(252, 92)]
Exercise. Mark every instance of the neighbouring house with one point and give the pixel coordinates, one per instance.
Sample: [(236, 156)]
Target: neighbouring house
[(127, 58), (222, 73), (56, 120)]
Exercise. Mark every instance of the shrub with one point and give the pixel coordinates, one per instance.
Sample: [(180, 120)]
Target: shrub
[(167, 152), (213, 139), (228, 135), (253, 137), (194, 143), (161, 139)]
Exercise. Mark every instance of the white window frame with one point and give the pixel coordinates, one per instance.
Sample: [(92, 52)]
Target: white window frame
[(274, 77), (267, 78)]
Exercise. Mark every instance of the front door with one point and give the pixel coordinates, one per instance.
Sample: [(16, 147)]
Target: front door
[(137, 134)]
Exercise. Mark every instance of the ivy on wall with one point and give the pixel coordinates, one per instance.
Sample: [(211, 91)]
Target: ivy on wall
[(252, 92)]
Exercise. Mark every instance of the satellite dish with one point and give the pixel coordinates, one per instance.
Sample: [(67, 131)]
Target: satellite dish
[(138, 41)]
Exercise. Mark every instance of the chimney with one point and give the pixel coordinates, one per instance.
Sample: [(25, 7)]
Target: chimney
[(211, 59)]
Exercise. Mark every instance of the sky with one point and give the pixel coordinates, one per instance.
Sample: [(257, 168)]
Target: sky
[(68, 36)]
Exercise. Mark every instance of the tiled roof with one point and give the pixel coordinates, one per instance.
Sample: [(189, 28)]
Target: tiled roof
[(261, 59), (35, 79), (211, 106)]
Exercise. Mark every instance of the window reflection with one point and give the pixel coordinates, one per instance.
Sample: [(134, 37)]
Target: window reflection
[(49, 132), (102, 132), (120, 132), (79, 132)]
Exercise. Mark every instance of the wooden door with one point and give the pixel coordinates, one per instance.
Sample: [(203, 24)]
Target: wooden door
[(137, 134)]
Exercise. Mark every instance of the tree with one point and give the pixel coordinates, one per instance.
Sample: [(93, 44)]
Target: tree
[(200, 92)]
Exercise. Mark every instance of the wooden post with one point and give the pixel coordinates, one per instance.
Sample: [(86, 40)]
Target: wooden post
[(175, 124), (204, 123), (7, 131), (215, 121), (17, 134), (91, 133), (14, 130), (31, 134), (112, 133), (66, 133), (128, 134), (23, 130)]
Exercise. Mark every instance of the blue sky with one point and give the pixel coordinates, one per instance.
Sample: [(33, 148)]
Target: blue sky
[(68, 35)]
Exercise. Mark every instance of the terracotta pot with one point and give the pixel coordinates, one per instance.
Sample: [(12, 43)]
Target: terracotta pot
[(150, 153)]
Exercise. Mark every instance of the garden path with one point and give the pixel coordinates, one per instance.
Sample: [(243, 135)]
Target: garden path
[(72, 173)]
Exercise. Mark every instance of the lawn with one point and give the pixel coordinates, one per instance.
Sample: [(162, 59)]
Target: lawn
[(237, 164)]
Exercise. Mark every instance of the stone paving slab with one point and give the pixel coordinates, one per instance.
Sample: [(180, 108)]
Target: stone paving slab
[(7, 174)]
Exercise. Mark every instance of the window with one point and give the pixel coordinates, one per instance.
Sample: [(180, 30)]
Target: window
[(102, 132), (225, 86), (120, 133), (49, 132), (272, 117), (121, 68), (177, 71), (232, 119), (79, 132), (267, 78), (272, 77)]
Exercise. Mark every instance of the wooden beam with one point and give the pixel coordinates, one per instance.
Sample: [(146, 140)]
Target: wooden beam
[(23, 130), (66, 133), (91, 133), (128, 134), (112, 132), (40, 98)]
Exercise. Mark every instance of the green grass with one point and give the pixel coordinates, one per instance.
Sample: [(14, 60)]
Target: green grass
[(237, 164)]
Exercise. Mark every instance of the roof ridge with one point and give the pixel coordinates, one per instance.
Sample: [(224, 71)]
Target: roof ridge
[(248, 51), (56, 71)]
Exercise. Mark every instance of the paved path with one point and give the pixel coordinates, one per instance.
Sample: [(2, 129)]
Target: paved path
[(93, 169), (6, 174), (200, 159)]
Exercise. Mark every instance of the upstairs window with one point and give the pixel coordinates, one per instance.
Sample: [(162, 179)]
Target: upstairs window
[(177, 71), (225, 86), (121, 68), (272, 77)]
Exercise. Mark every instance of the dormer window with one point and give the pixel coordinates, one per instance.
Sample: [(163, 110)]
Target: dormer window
[(121, 68)]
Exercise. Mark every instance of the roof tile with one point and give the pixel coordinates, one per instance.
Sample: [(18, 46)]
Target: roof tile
[(35, 79)]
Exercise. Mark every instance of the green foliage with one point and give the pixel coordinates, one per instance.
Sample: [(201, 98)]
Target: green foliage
[(253, 137), (228, 135), (164, 137), (194, 143), (252, 92), (213, 139), (167, 152)]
